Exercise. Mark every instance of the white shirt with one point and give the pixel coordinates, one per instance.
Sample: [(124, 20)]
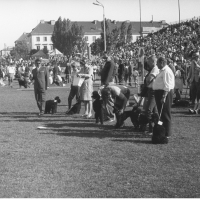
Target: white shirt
[(155, 71), (164, 80), (11, 69)]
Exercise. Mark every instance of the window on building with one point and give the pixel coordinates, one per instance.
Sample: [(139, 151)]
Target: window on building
[(51, 47), (86, 38), (37, 39), (38, 47), (45, 39), (93, 38), (45, 47)]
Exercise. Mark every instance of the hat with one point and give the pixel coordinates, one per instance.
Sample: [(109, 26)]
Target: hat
[(38, 60)]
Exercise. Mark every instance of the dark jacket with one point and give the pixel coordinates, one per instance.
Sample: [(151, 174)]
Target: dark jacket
[(121, 70), (41, 78), (108, 72)]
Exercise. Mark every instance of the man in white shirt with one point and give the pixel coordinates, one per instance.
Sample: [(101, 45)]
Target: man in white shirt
[(163, 86), (75, 89), (11, 73)]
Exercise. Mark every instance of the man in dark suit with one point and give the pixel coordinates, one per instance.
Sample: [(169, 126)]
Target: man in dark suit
[(41, 83), (121, 72), (107, 78), (108, 71)]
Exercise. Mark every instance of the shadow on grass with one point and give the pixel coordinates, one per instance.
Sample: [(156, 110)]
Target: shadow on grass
[(97, 131), (134, 141), (94, 134)]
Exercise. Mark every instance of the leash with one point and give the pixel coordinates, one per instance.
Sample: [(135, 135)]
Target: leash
[(159, 122)]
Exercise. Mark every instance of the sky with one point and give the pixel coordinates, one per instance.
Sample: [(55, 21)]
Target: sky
[(19, 16)]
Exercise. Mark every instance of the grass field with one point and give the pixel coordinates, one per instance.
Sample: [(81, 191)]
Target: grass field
[(74, 157)]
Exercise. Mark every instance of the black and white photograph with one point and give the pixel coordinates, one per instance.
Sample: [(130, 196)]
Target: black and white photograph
[(100, 99)]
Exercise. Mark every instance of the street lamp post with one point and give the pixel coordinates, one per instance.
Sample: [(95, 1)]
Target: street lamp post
[(140, 24), (142, 58), (179, 22), (104, 25)]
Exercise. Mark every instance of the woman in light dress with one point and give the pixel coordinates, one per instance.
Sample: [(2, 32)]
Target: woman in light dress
[(86, 88)]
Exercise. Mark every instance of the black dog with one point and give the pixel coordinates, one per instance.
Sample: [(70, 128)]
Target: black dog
[(51, 105), (75, 109), (143, 121), (159, 131), (134, 115), (181, 103), (98, 107)]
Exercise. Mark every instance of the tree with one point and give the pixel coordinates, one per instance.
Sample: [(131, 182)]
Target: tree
[(45, 50), (123, 33), (21, 50), (97, 47), (56, 36), (115, 34), (68, 37), (129, 34)]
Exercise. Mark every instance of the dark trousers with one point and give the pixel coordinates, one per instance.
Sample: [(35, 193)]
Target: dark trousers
[(68, 78), (166, 112), (40, 97), (121, 80), (130, 79), (150, 106), (195, 91), (116, 79), (75, 91)]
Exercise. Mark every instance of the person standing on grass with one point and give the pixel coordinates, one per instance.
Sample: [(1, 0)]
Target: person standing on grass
[(194, 80), (86, 88), (163, 90), (107, 78), (75, 89), (135, 76), (151, 103), (11, 74), (1, 75), (41, 83), (121, 72)]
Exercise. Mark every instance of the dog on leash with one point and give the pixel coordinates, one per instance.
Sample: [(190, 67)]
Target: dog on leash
[(134, 115), (98, 107), (159, 132), (51, 106), (75, 109)]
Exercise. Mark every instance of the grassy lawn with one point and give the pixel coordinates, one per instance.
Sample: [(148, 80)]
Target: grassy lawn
[(75, 158)]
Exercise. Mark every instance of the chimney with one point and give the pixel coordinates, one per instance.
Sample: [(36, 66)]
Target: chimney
[(114, 22), (42, 21), (95, 21), (52, 22)]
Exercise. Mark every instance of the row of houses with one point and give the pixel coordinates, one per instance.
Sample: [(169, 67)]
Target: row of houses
[(40, 36)]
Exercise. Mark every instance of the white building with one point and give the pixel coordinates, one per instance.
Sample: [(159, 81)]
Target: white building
[(40, 36)]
